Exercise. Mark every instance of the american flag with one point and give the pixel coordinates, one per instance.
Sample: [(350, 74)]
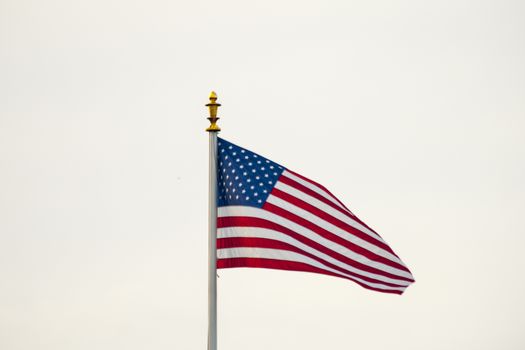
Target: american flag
[(271, 217)]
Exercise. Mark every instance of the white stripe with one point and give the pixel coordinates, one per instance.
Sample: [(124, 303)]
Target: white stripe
[(314, 188), (227, 232), (332, 228), (305, 232), (327, 209), (275, 254)]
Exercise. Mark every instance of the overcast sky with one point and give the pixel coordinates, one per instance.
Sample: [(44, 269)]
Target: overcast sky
[(411, 112)]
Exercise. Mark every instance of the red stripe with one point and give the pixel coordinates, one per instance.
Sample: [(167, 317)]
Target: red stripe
[(238, 221), (290, 182), (256, 242), (332, 237), (320, 186), (329, 218), (286, 265), (300, 187)]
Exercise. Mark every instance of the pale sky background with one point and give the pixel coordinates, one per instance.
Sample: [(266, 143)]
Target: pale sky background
[(411, 112)]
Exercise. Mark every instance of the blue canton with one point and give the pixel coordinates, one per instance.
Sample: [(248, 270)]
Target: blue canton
[(244, 178)]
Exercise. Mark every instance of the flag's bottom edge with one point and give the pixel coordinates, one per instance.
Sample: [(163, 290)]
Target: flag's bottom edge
[(287, 266)]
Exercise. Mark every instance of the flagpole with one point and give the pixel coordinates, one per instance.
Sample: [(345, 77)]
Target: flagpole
[(213, 130)]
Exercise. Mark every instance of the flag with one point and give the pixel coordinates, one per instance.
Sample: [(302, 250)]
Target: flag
[(271, 217)]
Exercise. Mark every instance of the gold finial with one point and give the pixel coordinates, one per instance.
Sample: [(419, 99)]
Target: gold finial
[(213, 106)]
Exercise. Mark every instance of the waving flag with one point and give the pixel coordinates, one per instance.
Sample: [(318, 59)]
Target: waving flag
[(271, 217)]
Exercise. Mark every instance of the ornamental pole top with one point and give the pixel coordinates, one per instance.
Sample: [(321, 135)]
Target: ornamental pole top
[(213, 107)]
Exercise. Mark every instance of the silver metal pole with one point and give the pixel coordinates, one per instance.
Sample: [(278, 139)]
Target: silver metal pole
[(213, 129), (212, 246)]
